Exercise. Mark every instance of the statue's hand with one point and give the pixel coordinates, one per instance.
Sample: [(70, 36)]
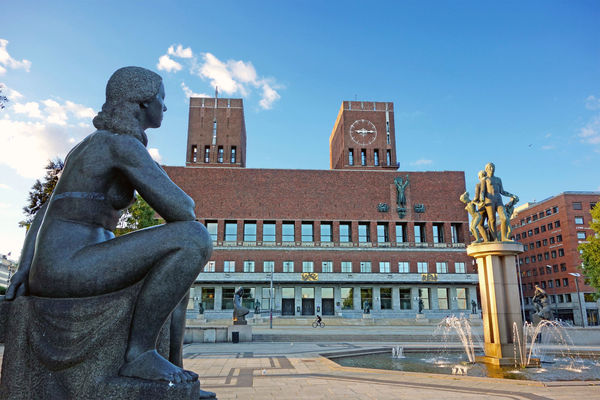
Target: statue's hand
[(19, 286)]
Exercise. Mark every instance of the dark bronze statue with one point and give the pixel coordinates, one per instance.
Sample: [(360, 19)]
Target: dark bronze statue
[(239, 311), (541, 304), (71, 252)]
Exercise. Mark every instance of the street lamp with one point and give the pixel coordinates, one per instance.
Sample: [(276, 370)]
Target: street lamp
[(271, 301), (577, 275)]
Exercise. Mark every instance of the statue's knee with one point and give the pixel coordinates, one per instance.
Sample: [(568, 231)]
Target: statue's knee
[(197, 240)]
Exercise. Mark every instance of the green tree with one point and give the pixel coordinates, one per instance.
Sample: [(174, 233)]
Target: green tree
[(138, 216), (590, 253), (41, 191)]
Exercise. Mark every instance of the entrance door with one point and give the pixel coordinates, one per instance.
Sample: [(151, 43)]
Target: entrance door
[(287, 307), (327, 305), (308, 306)]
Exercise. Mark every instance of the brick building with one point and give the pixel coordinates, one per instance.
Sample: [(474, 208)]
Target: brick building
[(550, 231), (333, 242)]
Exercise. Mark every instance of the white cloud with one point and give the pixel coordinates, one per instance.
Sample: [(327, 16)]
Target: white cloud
[(4, 186), (155, 154), (166, 63), (590, 133), (189, 93), (31, 109), (592, 103), (230, 77), (180, 51), (422, 162), (6, 61)]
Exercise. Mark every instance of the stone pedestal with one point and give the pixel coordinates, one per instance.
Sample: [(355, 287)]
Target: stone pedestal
[(500, 304), (245, 332)]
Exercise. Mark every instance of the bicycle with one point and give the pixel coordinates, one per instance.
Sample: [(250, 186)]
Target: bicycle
[(318, 324)]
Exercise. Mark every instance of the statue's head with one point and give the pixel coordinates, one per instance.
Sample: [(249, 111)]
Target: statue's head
[(465, 197), (489, 169), (481, 174), (130, 91)]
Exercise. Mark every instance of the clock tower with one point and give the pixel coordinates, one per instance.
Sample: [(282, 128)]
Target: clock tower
[(363, 136)]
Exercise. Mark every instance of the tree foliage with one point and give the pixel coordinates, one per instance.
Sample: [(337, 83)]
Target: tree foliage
[(42, 190), (590, 253), (138, 216)]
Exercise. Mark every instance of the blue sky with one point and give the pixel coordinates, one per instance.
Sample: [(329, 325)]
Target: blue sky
[(517, 83)]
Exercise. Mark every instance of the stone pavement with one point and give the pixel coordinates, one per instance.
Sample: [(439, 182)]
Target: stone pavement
[(297, 371)]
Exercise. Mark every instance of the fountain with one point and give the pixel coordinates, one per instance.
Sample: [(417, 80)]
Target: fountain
[(462, 326), (547, 331), (397, 352)]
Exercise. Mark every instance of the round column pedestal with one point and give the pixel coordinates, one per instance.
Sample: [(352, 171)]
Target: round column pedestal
[(500, 304)]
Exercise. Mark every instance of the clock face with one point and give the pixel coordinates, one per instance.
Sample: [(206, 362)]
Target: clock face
[(363, 132)]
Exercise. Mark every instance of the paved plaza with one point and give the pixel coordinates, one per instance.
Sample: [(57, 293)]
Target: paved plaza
[(284, 370)]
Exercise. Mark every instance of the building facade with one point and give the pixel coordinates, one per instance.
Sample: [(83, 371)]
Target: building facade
[(359, 238), (550, 231)]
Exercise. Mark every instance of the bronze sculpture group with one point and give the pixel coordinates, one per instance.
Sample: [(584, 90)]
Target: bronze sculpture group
[(486, 204)]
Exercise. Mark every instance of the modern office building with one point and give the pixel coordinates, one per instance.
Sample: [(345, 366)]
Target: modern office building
[(359, 237), (550, 231), (7, 269)]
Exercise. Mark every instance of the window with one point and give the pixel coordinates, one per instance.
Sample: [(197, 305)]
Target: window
[(230, 231), (268, 232), (552, 240), (385, 294), (211, 227), (525, 247), (307, 232), (228, 266), (363, 157), (405, 299), (581, 235), (227, 301), (543, 228), (208, 298), (442, 298), (546, 255), (420, 233), (350, 157), (308, 266), (232, 157), (424, 296), (266, 299), (209, 267), (576, 205), (403, 267), (248, 266), (550, 226), (459, 267), (555, 209), (565, 282), (347, 297), (288, 293), (438, 233), (536, 231), (326, 232), (441, 267), (382, 233), (578, 220), (288, 266), (287, 232), (538, 244), (347, 266), (530, 233), (327, 266), (268, 266), (557, 283), (363, 232), (376, 157), (384, 267), (558, 238), (567, 297), (365, 266), (542, 270), (194, 153), (388, 157), (422, 268), (561, 252), (366, 298), (545, 242), (555, 268), (454, 231), (400, 233), (207, 154), (462, 300), (539, 257), (345, 232), (249, 231), (563, 267), (557, 224), (549, 284), (518, 237), (220, 154)]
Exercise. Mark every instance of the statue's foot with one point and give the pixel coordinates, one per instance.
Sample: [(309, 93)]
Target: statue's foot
[(152, 366), (478, 241), (204, 394)]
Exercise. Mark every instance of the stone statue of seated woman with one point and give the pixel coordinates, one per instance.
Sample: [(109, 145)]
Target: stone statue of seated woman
[(71, 260)]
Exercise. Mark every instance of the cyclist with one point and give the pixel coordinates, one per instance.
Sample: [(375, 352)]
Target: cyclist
[(319, 320)]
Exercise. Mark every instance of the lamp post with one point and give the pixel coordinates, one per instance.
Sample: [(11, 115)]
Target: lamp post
[(521, 290), (577, 275), (271, 302)]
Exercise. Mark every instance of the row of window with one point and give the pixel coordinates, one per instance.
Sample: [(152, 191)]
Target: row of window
[(220, 154), (547, 255), (535, 231), (544, 242), (551, 283), (363, 157), (250, 299), (540, 215), (344, 267), (325, 234), (547, 269), (559, 298)]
